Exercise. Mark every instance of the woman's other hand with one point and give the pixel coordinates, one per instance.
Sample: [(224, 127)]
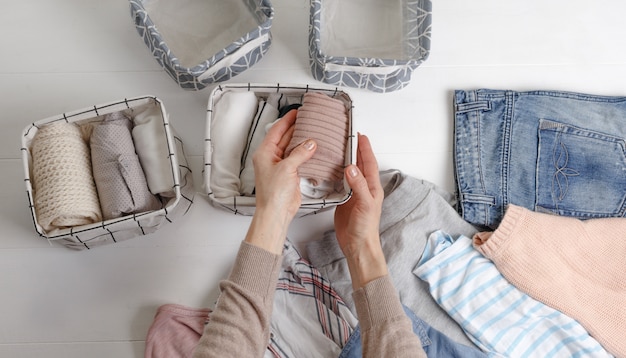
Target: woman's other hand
[(357, 221)]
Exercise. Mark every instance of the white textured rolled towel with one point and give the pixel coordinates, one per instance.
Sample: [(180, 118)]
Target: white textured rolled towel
[(64, 190)]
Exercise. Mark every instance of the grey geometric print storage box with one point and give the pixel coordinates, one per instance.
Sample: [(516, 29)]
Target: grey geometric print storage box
[(175, 205), (370, 44), (199, 42)]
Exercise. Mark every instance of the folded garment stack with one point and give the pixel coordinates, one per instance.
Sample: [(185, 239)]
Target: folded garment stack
[(233, 112), (151, 146), (64, 189), (265, 115), (319, 117), (83, 174), (121, 183)]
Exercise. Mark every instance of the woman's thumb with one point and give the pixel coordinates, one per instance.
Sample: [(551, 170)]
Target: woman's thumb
[(302, 153), (356, 180)]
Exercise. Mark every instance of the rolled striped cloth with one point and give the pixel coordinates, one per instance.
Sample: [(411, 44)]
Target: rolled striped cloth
[(64, 190), (325, 120)]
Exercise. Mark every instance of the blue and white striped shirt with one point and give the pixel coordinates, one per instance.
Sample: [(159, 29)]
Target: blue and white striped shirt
[(497, 316)]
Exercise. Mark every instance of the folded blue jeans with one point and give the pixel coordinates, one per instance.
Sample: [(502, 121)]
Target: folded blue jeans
[(548, 151), (434, 343)]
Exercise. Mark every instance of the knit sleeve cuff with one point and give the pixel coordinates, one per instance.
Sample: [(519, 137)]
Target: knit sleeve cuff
[(491, 244), (256, 269), (376, 302)]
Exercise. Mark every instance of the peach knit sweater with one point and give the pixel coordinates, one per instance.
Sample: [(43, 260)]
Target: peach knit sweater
[(577, 267)]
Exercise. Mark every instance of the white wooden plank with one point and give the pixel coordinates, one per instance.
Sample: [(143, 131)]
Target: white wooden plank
[(109, 294), (493, 32), (71, 36), (74, 350)]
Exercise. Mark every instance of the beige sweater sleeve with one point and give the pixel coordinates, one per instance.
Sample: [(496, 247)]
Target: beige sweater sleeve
[(240, 323), (386, 330)]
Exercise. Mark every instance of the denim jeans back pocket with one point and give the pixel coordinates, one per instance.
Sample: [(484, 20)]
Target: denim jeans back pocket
[(580, 173)]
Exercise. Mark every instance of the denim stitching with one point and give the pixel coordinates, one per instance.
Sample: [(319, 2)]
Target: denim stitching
[(560, 178), (506, 148)]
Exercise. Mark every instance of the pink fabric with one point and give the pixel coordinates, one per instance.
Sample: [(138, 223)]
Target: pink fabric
[(577, 267), (325, 120), (175, 331)]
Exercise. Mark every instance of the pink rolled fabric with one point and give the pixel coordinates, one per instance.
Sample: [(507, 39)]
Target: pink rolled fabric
[(175, 331), (577, 267), (325, 120)]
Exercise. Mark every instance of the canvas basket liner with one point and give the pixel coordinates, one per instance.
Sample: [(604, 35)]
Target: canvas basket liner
[(199, 42), (369, 44)]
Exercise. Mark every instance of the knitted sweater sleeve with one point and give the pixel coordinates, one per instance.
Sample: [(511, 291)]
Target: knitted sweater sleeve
[(385, 328), (240, 323)]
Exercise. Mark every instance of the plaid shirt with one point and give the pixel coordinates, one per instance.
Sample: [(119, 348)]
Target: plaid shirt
[(308, 315)]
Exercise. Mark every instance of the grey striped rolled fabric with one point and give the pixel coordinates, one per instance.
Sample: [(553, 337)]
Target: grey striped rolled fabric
[(64, 189), (325, 120)]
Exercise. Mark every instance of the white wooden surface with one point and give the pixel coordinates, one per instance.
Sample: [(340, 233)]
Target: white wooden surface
[(63, 55)]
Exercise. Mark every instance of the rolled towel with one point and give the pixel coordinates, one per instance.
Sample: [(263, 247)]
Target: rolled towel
[(266, 114), (121, 182), (65, 194), (151, 147), (232, 116), (323, 119)]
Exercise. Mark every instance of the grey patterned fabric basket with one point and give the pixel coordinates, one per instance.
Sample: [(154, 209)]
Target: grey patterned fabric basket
[(203, 42), (372, 44), (176, 203)]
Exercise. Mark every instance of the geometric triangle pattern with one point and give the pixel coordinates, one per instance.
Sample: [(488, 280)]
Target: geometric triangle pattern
[(362, 72), (203, 74)]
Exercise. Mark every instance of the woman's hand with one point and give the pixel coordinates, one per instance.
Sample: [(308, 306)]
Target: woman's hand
[(357, 221), (277, 184)]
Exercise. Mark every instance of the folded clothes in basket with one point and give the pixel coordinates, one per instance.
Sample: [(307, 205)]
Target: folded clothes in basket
[(64, 191), (265, 115), (119, 177), (325, 115), (151, 146), (320, 117), (59, 173), (235, 111)]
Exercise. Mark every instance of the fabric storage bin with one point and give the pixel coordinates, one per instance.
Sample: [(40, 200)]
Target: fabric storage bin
[(199, 42), (371, 44), (173, 171), (241, 204)]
